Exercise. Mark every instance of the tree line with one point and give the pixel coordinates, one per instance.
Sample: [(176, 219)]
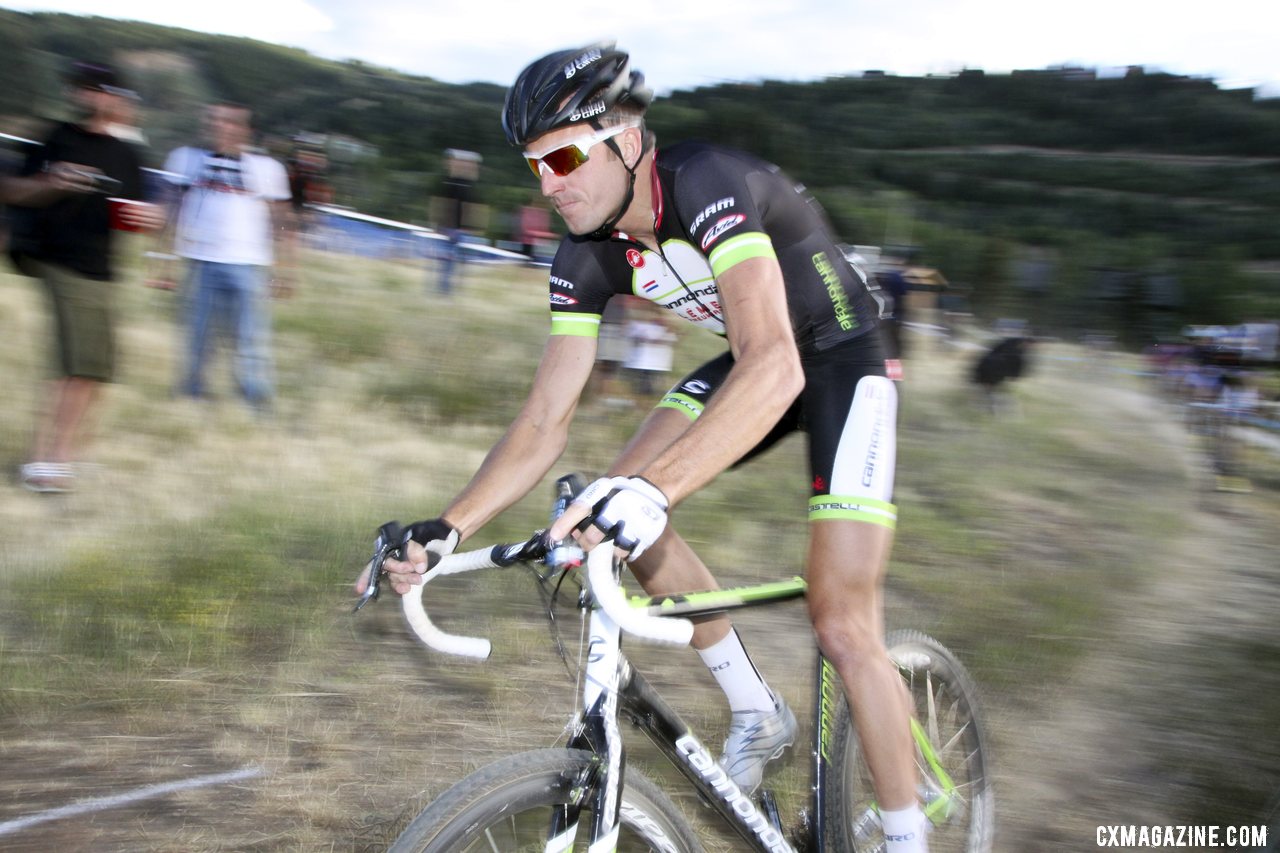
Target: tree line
[(1034, 193)]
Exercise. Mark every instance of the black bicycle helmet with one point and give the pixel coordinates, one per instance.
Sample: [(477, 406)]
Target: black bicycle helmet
[(570, 86)]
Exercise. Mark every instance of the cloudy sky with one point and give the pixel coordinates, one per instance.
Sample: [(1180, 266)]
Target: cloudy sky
[(699, 42)]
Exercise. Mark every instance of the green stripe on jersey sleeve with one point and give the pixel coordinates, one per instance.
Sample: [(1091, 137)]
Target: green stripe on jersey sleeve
[(739, 249), (578, 325)]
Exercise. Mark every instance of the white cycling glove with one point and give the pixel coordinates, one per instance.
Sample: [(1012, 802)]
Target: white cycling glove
[(630, 509)]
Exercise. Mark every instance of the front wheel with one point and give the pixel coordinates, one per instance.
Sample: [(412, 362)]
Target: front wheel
[(951, 757), (508, 806)]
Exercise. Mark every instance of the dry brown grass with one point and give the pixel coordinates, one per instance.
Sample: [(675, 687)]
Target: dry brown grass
[(187, 611)]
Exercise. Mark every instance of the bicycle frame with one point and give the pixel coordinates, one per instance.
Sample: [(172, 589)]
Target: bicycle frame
[(614, 687)]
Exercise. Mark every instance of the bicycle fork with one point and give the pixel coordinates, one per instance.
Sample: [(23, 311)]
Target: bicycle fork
[(597, 732), (613, 687)]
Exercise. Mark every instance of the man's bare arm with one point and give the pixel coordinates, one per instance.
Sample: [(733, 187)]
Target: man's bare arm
[(534, 441), (765, 380)]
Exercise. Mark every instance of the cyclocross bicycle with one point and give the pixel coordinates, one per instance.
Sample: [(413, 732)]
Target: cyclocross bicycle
[(582, 796)]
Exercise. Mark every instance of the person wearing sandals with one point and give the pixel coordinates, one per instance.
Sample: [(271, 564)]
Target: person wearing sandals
[(64, 198)]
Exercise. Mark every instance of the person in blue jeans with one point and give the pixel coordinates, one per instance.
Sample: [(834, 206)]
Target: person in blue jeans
[(233, 296), (234, 228), (455, 207)]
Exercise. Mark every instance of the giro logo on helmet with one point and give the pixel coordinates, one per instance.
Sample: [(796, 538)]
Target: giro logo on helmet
[(592, 109), (581, 62)]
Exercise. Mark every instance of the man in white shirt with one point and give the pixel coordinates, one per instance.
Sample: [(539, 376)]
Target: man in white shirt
[(233, 220)]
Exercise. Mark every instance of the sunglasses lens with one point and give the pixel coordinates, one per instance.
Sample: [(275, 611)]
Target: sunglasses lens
[(561, 162), (564, 160)]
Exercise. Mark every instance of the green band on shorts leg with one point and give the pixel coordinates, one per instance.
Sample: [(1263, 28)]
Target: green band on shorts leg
[(683, 403), (846, 508)]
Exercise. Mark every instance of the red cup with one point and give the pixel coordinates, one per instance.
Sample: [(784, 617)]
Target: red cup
[(119, 221)]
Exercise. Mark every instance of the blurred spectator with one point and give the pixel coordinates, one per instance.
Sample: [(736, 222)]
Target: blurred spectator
[(534, 232), (308, 168), (68, 195), (1237, 400), (1008, 360), (611, 352), (233, 223), (456, 211), (893, 315), (650, 348)]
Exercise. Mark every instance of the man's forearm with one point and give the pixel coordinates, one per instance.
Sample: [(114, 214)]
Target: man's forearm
[(753, 398), (514, 466)]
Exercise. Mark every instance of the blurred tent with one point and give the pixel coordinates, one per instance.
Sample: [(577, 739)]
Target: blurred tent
[(925, 279)]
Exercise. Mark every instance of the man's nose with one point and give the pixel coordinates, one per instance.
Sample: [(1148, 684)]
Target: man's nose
[(549, 181)]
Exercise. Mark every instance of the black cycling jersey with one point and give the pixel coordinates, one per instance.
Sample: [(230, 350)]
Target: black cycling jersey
[(713, 208)]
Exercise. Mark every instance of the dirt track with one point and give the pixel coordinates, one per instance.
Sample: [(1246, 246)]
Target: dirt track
[(1127, 739), (1123, 740)]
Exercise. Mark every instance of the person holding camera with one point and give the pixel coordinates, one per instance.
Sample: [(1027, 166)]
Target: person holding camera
[(69, 192)]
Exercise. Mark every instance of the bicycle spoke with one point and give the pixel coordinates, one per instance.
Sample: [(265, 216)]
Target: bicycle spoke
[(949, 758)]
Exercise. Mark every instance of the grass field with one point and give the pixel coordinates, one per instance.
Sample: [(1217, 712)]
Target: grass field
[(186, 611)]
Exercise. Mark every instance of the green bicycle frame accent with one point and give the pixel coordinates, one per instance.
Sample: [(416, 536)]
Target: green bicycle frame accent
[(828, 687), (715, 600)]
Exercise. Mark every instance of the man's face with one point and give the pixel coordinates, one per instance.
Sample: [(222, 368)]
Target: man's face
[(586, 197), (91, 103), (228, 127)]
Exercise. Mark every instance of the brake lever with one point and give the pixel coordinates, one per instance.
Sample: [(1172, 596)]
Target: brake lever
[(386, 545)]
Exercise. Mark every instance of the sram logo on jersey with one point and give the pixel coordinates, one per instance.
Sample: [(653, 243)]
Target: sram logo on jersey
[(561, 299), (710, 211), (563, 284), (716, 231)]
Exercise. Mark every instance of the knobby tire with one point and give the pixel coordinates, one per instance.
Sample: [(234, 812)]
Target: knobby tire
[(507, 806)]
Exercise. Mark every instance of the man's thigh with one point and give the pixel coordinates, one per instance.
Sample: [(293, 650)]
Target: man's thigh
[(84, 322)]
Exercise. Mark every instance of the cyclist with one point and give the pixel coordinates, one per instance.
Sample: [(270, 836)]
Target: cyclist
[(728, 242)]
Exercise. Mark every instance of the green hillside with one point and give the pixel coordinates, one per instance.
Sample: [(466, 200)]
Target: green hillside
[(1143, 202)]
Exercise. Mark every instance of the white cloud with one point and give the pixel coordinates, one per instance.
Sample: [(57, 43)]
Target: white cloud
[(683, 44)]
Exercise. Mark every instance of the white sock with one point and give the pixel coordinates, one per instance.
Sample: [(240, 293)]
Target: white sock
[(904, 830), (737, 675)]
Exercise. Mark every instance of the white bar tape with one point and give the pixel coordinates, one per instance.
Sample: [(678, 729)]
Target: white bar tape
[(420, 623), (669, 630)]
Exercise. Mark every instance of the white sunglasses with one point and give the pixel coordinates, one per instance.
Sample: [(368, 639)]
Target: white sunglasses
[(564, 159)]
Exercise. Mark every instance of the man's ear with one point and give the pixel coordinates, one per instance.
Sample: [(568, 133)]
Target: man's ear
[(632, 146)]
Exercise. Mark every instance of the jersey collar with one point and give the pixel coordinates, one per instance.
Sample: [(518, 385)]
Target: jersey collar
[(657, 193), (657, 202)]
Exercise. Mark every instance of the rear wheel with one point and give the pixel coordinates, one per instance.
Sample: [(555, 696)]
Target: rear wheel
[(508, 806), (952, 763)]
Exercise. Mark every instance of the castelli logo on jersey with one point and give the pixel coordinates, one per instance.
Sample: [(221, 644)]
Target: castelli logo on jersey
[(726, 224), (561, 299), (635, 258)]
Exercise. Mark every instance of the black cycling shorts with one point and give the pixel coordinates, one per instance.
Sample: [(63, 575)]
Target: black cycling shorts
[(848, 408)]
